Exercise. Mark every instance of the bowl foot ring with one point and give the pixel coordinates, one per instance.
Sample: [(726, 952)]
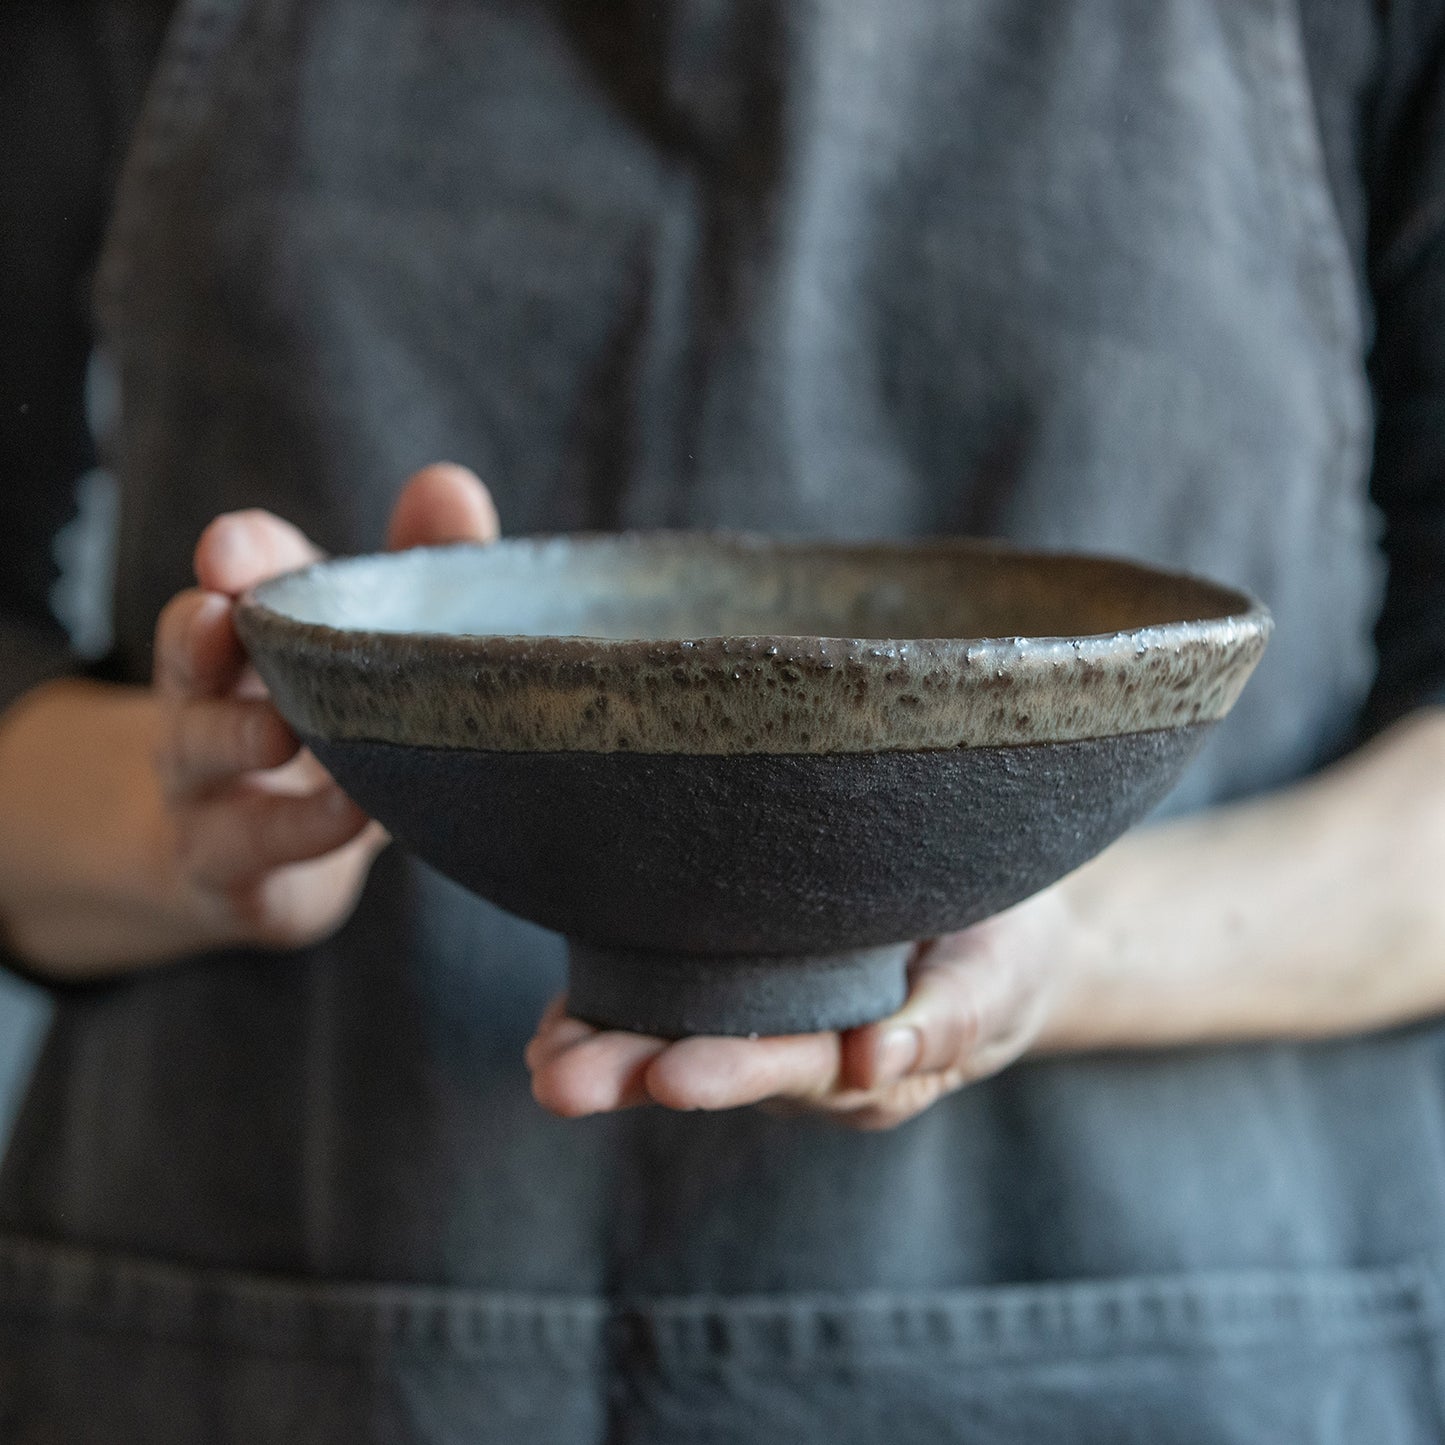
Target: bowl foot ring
[(673, 995)]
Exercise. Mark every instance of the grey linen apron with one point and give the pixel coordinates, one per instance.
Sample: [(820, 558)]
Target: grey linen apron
[(1066, 271)]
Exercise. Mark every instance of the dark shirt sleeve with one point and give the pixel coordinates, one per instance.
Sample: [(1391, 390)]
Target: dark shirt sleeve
[(1407, 264), (51, 124), (71, 79)]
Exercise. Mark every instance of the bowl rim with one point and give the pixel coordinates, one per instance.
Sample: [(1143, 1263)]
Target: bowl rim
[(545, 692), (1238, 604)]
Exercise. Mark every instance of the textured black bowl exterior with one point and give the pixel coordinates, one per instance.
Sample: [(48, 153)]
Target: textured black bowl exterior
[(676, 856)]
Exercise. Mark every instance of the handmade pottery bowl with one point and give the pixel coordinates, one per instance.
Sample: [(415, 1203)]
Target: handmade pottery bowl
[(743, 776)]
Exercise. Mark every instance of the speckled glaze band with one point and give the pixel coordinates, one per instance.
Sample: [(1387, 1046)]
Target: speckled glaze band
[(1131, 648)]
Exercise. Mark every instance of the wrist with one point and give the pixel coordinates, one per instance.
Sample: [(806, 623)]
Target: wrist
[(88, 884), (1311, 912), (1082, 983)]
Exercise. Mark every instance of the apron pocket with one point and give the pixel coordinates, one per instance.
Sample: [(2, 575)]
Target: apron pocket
[(1334, 1356), (101, 1350)]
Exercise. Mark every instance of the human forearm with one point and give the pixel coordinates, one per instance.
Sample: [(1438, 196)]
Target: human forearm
[(82, 830), (1318, 910), (1315, 911)]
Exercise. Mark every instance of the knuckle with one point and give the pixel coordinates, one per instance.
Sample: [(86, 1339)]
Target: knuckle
[(968, 1031), (245, 738), (192, 744), (951, 1039), (265, 825), (878, 1118), (185, 724), (166, 760), (225, 849), (290, 828), (172, 656), (909, 1098), (250, 908), (252, 916), (271, 740), (189, 844), (176, 612), (171, 618)]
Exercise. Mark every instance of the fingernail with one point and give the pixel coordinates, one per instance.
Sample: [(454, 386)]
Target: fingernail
[(898, 1054), (234, 551), (206, 613)]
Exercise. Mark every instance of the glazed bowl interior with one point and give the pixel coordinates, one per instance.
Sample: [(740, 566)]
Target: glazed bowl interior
[(669, 586)]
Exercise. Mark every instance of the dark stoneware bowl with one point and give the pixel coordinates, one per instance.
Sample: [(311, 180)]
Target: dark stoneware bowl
[(742, 775)]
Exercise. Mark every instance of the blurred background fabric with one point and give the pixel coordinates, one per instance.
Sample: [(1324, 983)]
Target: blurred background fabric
[(24, 1010)]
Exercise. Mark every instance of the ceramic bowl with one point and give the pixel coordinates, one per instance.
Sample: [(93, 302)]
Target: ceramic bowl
[(744, 775)]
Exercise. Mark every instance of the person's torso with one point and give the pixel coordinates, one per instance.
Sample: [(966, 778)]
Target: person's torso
[(1065, 273)]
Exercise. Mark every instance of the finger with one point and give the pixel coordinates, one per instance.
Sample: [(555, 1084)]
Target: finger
[(555, 1012), (302, 775), (937, 1029), (240, 549), (213, 740), (962, 994), (197, 653), (442, 503), (300, 905), (601, 1072), (897, 1105), (556, 1031), (232, 840), (717, 1073)]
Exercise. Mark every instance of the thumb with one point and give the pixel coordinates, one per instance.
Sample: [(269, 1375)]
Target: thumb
[(962, 994), (442, 503)]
